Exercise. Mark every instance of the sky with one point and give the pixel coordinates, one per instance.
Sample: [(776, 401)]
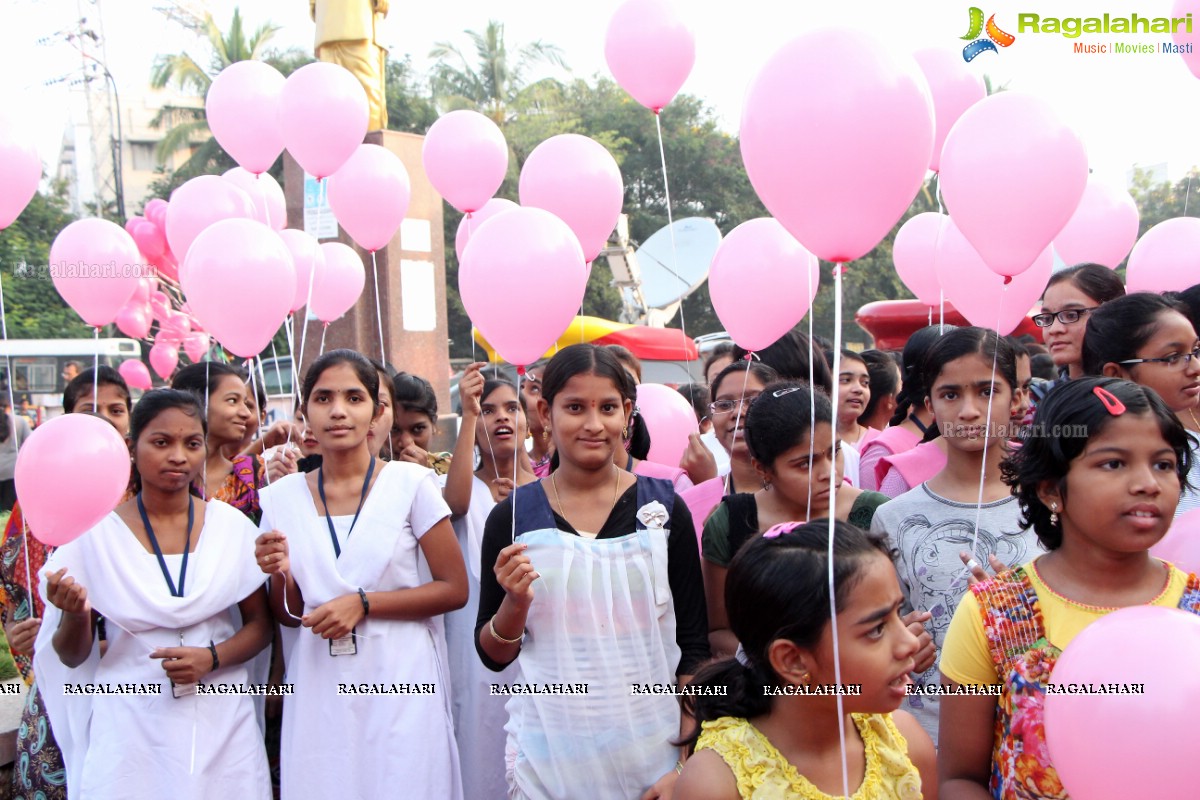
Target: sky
[(1129, 109)]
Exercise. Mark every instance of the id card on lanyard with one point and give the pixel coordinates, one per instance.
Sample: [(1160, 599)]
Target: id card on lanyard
[(186, 689), (346, 645)]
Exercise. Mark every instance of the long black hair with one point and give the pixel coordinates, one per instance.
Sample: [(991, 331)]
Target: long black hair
[(153, 403), (790, 356), (777, 588), (414, 393), (1095, 280), (881, 371), (781, 417), (1117, 330), (912, 390)]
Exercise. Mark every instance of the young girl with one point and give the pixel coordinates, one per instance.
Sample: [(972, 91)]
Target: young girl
[(415, 423), (1070, 297), (1099, 493), (379, 437), (939, 521), (884, 377), (39, 766), (540, 449), (340, 545), (234, 480), (171, 574), (601, 571), (1146, 338), (911, 420), (854, 387), (734, 390), (494, 422), (755, 743), (780, 445)]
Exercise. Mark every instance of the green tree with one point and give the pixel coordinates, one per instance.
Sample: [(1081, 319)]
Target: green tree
[(408, 104)]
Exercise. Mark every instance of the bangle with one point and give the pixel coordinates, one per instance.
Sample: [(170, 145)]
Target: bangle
[(212, 648), (362, 596), (501, 639), (679, 767)]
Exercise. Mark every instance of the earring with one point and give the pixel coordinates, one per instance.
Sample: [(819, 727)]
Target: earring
[(767, 484), (1054, 514), (806, 679), (624, 431), (546, 434)]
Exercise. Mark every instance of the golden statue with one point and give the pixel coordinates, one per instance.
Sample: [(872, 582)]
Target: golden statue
[(346, 36)]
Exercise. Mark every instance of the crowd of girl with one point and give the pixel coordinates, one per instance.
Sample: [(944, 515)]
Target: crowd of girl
[(516, 618)]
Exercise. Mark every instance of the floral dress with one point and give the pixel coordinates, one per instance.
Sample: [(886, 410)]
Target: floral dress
[(240, 489)]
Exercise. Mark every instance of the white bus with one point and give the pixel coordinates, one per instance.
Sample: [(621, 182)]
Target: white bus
[(38, 367)]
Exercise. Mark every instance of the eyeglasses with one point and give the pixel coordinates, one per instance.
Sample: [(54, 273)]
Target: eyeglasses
[(1173, 361), (1067, 316), (725, 406)]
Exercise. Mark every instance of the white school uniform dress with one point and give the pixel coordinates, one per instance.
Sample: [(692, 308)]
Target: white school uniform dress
[(376, 723), (132, 746), (479, 716)]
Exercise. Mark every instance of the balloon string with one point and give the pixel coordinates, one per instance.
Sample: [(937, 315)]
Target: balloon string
[(95, 371), (254, 390), (937, 192), (312, 278), (516, 458), (662, 154), (324, 330), (290, 333), (469, 220), (837, 663), (204, 488), (1187, 196), (12, 410), (378, 312), (812, 398), (28, 576), (987, 437)]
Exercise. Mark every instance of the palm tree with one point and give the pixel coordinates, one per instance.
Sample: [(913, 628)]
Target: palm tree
[(494, 83)]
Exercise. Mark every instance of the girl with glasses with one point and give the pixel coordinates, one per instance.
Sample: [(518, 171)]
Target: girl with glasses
[(733, 390), (1070, 297)]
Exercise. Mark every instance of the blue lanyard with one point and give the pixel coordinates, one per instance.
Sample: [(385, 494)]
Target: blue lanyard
[(187, 545), (337, 548)]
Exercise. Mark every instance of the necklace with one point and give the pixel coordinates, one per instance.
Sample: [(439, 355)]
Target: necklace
[(1195, 422), (562, 510)]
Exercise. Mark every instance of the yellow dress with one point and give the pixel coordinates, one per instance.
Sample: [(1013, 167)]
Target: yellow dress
[(763, 773)]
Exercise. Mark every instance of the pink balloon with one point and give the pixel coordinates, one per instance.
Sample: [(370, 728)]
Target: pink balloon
[(70, 474), (265, 194), (156, 212), (160, 306), (814, 146), (577, 180), (20, 169), (164, 357), (150, 240), (914, 251), (96, 267), (1166, 258), (1184, 8), (142, 293), (466, 158), (369, 196), (471, 222), (196, 346), (136, 375), (650, 50), (1127, 745), (1102, 229), (762, 282), (338, 282), (1181, 545), (306, 252), (669, 418), (168, 267), (979, 294), (954, 88), (134, 319), (523, 258), (199, 203), (177, 323), (243, 112), (1012, 175), (249, 255), (324, 116)]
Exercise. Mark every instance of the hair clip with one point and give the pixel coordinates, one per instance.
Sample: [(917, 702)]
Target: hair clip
[(780, 529), (787, 390), (1111, 404)]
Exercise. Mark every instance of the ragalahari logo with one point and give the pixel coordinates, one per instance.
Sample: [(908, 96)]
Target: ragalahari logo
[(994, 37)]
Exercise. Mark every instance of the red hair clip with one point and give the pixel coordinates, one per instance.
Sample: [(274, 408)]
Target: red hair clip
[(1111, 403)]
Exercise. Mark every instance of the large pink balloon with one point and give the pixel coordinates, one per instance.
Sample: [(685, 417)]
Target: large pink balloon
[(20, 169), (914, 254), (650, 50), (195, 345), (980, 294), (471, 222), (324, 116), (577, 180), (265, 194), (1012, 175), (762, 282), (1181, 545), (135, 374), (1190, 56), (1102, 229), (836, 136), (524, 258), (338, 283), (134, 319), (954, 87), (164, 357), (306, 252), (1166, 258), (669, 418), (466, 158), (1127, 745), (70, 474), (246, 254), (242, 108), (199, 203), (369, 196), (96, 267)]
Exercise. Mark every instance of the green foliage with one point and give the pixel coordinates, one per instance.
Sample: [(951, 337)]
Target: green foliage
[(408, 108)]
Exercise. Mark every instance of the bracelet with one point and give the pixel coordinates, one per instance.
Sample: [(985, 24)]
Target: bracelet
[(679, 767), (212, 648), (501, 639), (362, 596)]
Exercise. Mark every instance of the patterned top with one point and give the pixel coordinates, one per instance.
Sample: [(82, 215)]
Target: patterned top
[(439, 462), (1024, 658), (14, 580), (763, 773), (240, 489)]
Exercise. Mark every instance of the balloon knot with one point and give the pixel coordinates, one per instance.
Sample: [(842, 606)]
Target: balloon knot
[(1007, 280), (521, 371), (748, 355)]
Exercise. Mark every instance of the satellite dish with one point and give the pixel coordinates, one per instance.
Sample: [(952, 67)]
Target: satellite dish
[(667, 280)]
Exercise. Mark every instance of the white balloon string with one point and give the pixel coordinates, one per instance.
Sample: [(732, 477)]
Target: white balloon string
[(254, 389), (9, 379), (1187, 196), (662, 154), (516, 460), (937, 191), (28, 574), (312, 278), (812, 398), (378, 312), (470, 219), (987, 437), (204, 487), (324, 329), (837, 663), (95, 371), (290, 331)]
